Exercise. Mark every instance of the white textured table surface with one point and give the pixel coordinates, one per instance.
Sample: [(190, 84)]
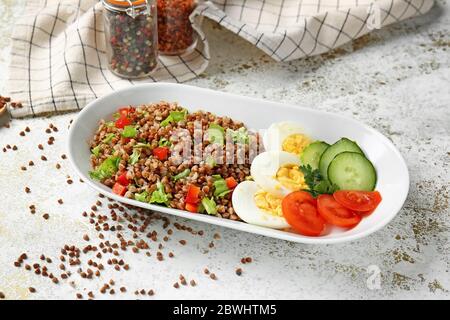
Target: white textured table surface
[(396, 80)]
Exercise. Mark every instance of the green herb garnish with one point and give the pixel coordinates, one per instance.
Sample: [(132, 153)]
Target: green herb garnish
[(209, 205), (141, 196), (96, 151), (181, 175), (129, 132), (211, 161), (174, 116), (108, 138), (220, 186), (142, 145), (134, 158), (159, 195), (316, 183), (106, 169), (216, 134), (239, 136), (163, 142)]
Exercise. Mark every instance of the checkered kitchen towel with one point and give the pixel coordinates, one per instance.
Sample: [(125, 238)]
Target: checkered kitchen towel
[(58, 60)]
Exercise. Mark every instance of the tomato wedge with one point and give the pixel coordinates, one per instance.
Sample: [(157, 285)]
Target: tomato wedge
[(191, 207), (122, 122), (192, 195), (231, 182), (162, 153), (119, 189), (122, 179), (336, 214), (300, 212), (358, 200)]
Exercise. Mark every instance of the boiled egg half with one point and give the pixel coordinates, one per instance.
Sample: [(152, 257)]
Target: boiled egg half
[(278, 172), (286, 136), (275, 175), (256, 206)]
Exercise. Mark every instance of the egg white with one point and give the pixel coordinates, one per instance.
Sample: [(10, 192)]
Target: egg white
[(245, 207), (278, 132), (264, 169)]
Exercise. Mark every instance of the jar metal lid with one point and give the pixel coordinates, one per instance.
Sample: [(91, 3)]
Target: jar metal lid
[(125, 3), (128, 6)]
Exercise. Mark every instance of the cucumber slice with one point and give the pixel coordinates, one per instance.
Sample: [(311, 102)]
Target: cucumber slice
[(342, 145), (312, 153), (352, 171)]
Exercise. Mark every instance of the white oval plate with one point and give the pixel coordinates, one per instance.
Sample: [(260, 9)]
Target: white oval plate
[(393, 178)]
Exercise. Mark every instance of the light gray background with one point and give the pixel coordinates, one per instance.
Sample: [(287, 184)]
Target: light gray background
[(396, 80)]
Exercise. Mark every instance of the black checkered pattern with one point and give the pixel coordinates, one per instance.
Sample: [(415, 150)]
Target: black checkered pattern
[(292, 29), (58, 60)]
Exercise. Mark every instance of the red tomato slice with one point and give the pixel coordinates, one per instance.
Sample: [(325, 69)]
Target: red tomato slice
[(358, 200), (122, 179), (191, 207), (336, 214), (119, 189), (122, 122), (231, 182), (300, 212), (192, 195), (162, 153)]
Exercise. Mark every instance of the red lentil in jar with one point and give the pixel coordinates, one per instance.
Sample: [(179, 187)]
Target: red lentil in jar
[(131, 37), (175, 32)]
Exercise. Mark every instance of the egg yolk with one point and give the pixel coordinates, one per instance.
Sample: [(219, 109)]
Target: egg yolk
[(268, 202), (291, 177), (295, 143)]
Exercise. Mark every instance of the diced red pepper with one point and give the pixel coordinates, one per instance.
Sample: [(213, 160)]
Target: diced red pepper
[(162, 153), (125, 111), (192, 195), (231, 182), (191, 207), (122, 122), (122, 179), (119, 189)]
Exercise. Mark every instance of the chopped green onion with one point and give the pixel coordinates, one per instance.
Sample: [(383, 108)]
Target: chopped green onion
[(116, 115), (174, 116), (134, 158), (220, 186), (201, 208), (96, 151), (129, 132), (163, 142), (209, 205), (181, 175), (110, 124), (108, 138), (216, 133), (106, 169), (239, 136), (211, 161), (141, 196), (159, 195), (142, 145)]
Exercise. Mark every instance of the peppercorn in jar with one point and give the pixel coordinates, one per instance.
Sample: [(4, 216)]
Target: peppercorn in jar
[(175, 32), (131, 37)]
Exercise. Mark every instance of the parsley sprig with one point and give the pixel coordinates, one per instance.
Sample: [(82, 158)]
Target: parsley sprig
[(316, 183)]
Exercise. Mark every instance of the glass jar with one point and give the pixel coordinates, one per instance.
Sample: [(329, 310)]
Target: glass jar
[(175, 32), (131, 37)]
